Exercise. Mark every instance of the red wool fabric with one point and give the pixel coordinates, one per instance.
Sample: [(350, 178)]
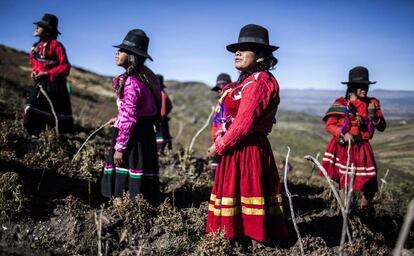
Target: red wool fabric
[(52, 50), (246, 197), (361, 155)]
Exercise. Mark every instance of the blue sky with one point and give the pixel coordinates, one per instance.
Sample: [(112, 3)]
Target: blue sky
[(319, 40)]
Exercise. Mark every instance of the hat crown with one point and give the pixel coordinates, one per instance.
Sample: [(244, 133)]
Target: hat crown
[(49, 21), (254, 36), (358, 74), (253, 33), (137, 38), (223, 78)]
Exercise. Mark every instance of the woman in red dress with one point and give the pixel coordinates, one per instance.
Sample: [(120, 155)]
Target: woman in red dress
[(246, 198), (354, 118), (50, 68)]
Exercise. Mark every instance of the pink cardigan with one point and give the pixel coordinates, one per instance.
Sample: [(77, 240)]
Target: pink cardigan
[(137, 101)]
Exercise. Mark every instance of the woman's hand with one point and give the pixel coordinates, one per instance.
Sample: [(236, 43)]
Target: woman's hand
[(348, 137), (118, 158), (33, 75), (40, 75), (372, 111), (212, 152), (112, 121)]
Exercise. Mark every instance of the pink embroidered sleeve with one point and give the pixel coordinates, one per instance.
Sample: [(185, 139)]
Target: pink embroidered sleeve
[(255, 98), (127, 113)]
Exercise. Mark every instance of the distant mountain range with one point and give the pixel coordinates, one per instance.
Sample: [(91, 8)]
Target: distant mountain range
[(395, 104), (14, 65)]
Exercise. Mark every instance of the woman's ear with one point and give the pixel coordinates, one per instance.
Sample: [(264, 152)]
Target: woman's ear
[(260, 59)]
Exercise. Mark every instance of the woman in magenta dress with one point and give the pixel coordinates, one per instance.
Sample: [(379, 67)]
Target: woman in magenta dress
[(246, 198), (354, 118), (132, 163)]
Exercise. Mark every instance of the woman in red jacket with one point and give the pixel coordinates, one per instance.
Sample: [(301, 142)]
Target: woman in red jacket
[(354, 118), (50, 67), (163, 134), (246, 198)]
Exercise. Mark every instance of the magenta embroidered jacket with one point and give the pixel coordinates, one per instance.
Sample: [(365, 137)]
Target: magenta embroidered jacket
[(137, 101)]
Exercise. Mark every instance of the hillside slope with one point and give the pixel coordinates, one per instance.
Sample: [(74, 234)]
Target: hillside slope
[(50, 203)]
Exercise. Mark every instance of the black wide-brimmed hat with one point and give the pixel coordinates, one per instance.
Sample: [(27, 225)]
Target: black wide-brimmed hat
[(161, 80), (222, 80), (255, 36), (136, 41), (358, 75), (48, 21)]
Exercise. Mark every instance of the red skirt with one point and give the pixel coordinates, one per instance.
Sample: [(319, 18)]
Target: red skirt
[(246, 198), (361, 158)]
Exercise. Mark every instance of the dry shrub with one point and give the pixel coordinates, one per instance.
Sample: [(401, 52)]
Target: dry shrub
[(10, 132), (184, 170), (314, 246), (89, 163), (214, 244), (50, 151), (12, 199), (364, 241), (175, 230), (330, 200), (136, 214)]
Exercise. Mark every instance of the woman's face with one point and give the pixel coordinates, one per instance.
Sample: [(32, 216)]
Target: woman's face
[(245, 59), (121, 58), (39, 31), (362, 91)]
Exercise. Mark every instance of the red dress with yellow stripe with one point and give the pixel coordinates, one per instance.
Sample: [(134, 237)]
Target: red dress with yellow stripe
[(352, 116), (246, 197)]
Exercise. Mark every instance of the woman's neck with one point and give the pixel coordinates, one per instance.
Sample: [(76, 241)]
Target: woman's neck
[(44, 39), (353, 97)]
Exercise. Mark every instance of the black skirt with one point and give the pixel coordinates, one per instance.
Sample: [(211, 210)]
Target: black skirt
[(38, 113), (139, 171)]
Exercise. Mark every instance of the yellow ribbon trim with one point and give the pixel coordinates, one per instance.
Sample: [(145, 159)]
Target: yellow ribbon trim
[(224, 94), (228, 212), (231, 201)]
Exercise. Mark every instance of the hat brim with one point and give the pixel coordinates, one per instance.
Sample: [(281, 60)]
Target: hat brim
[(44, 25), (134, 50), (360, 82), (234, 47)]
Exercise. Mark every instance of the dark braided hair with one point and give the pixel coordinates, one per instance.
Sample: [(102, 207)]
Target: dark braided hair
[(136, 62), (352, 88)]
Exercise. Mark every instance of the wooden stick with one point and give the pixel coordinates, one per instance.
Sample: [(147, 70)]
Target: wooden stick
[(180, 130), (333, 189), (292, 213), (98, 223), (348, 204), (346, 172), (405, 229), (52, 108), (201, 129), (383, 180), (97, 130), (314, 165)]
